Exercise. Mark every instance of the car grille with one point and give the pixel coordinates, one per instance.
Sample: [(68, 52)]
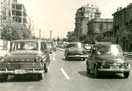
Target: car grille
[(113, 65), (75, 53), (20, 59), (21, 66)]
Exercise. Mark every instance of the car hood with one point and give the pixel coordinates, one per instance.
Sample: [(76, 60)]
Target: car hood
[(22, 54), (112, 58), (75, 49)]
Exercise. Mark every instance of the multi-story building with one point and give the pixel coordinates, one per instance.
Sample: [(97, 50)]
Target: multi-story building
[(13, 13), (100, 28), (83, 16), (123, 27)]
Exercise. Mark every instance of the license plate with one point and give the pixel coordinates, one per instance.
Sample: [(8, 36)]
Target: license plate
[(19, 71), (114, 67)]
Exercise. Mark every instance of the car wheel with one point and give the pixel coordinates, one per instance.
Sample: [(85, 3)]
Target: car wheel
[(126, 74), (88, 70), (38, 77), (84, 59), (3, 77), (45, 69), (96, 73)]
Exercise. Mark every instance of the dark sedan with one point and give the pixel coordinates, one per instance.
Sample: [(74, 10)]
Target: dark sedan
[(107, 58), (75, 50)]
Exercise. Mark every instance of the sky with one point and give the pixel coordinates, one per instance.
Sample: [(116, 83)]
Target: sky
[(58, 16)]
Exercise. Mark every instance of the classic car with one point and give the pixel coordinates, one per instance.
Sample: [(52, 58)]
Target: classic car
[(107, 58), (25, 57), (75, 50)]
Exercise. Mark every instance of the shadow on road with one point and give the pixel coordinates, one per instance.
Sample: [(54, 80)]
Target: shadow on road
[(102, 76), (21, 78)]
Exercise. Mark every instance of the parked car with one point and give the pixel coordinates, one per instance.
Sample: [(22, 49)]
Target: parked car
[(75, 50), (25, 57), (53, 46), (109, 58)]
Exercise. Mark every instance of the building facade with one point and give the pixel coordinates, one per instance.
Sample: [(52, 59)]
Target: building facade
[(83, 16), (100, 28), (123, 27), (13, 14)]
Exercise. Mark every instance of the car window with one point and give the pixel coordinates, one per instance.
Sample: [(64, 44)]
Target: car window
[(109, 49), (24, 46), (78, 45), (43, 46)]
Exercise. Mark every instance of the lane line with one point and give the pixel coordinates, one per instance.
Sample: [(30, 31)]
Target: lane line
[(54, 59), (65, 74)]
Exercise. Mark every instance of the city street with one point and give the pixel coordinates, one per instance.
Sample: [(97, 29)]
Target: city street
[(67, 76)]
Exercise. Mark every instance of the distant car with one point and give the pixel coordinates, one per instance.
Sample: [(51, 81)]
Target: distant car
[(87, 47), (50, 46), (75, 50), (53, 46), (109, 58), (25, 57)]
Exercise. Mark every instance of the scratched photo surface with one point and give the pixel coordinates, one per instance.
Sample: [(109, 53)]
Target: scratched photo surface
[(65, 45)]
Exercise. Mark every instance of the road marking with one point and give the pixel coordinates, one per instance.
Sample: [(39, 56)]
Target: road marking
[(54, 59), (65, 74)]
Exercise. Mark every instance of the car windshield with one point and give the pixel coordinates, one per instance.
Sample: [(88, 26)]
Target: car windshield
[(110, 49), (24, 46), (77, 45)]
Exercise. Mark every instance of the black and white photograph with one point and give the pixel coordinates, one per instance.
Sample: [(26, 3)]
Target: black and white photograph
[(65, 45)]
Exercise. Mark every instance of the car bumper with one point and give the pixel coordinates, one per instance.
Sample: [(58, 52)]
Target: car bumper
[(15, 72), (114, 70), (78, 56)]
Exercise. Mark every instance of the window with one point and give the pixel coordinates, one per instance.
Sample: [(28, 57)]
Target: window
[(24, 46), (43, 46)]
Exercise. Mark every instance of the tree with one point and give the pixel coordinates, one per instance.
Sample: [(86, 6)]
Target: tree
[(8, 33), (14, 32), (82, 37)]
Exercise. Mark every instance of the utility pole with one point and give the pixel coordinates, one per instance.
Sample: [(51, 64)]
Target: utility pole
[(39, 33), (50, 34)]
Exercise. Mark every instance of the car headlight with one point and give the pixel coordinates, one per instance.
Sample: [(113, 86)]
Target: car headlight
[(102, 64), (126, 65), (38, 59), (1, 59)]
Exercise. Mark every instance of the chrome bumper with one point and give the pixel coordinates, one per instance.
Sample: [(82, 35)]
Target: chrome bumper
[(114, 70), (78, 56), (21, 72)]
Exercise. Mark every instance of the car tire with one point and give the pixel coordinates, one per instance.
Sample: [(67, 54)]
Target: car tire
[(87, 68), (45, 69), (126, 74), (3, 77), (38, 77), (66, 58), (84, 59), (96, 73)]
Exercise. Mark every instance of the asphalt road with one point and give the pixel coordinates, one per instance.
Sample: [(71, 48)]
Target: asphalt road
[(66, 75)]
